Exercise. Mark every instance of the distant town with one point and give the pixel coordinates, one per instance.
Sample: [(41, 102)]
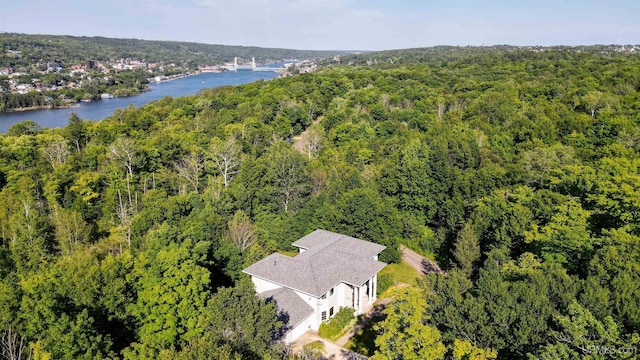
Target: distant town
[(60, 84), (79, 74)]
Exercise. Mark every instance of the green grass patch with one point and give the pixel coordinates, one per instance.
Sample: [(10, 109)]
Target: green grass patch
[(400, 273), (363, 341)]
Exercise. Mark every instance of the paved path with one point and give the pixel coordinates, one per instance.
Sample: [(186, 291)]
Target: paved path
[(372, 313), (419, 262), (335, 350), (332, 351)]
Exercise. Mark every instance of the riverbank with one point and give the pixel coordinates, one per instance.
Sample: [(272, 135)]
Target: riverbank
[(44, 107), (76, 104), (165, 78)]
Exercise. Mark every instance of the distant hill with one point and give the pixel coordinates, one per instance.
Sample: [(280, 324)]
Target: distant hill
[(24, 49), (474, 54)]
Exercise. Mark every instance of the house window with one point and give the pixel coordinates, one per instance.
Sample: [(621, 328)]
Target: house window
[(331, 292), (323, 316), (324, 296), (331, 312)]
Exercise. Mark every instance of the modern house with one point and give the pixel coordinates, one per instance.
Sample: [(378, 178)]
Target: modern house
[(331, 271)]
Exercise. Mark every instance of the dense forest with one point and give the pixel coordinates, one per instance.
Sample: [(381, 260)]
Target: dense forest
[(73, 49), (516, 170)]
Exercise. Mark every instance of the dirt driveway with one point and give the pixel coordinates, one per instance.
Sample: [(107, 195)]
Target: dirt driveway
[(419, 262), (332, 350)]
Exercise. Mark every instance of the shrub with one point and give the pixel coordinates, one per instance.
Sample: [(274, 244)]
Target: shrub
[(314, 349), (333, 328), (385, 281)]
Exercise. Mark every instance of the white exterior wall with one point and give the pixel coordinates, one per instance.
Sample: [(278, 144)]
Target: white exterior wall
[(374, 288), (343, 296), (339, 297), (363, 298), (303, 327), (366, 296), (313, 302), (263, 285), (320, 306)]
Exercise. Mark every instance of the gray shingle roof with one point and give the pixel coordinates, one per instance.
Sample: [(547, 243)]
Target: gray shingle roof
[(328, 260), (320, 239), (292, 310)]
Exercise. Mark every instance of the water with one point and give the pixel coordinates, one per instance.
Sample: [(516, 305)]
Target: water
[(100, 109)]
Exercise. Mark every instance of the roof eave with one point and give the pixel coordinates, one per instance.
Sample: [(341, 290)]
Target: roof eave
[(282, 285)]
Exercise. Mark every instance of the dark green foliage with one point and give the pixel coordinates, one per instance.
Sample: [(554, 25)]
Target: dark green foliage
[(13, 101), (24, 128), (237, 317), (362, 213), (507, 309)]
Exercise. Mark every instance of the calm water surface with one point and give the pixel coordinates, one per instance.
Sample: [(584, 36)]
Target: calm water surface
[(100, 109)]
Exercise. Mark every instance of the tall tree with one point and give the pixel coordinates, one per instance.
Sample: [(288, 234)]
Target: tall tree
[(226, 156), (190, 169), (76, 131), (242, 231), (238, 317), (288, 176), (312, 140), (171, 294), (467, 250), (405, 332)]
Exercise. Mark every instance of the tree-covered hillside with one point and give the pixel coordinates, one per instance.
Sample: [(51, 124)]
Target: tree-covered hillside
[(73, 49), (518, 170)]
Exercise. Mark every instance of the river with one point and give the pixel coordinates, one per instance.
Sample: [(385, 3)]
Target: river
[(98, 110)]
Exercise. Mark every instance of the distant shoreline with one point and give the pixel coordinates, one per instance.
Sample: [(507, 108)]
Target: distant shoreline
[(44, 107), (75, 104), (174, 77)]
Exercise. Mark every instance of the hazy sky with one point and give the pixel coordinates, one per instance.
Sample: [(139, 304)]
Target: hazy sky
[(334, 24)]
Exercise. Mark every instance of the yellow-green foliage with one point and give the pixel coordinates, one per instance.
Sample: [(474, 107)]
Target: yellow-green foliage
[(333, 328), (464, 350), (405, 333)]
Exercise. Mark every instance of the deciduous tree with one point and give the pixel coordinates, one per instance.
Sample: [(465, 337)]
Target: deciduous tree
[(226, 156), (405, 332), (241, 231)]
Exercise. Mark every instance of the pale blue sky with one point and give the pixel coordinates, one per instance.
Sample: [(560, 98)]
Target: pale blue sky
[(334, 24)]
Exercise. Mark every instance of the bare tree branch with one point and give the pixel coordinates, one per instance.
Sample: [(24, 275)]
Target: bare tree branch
[(242, 231), (226, 156), (190, 168)]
